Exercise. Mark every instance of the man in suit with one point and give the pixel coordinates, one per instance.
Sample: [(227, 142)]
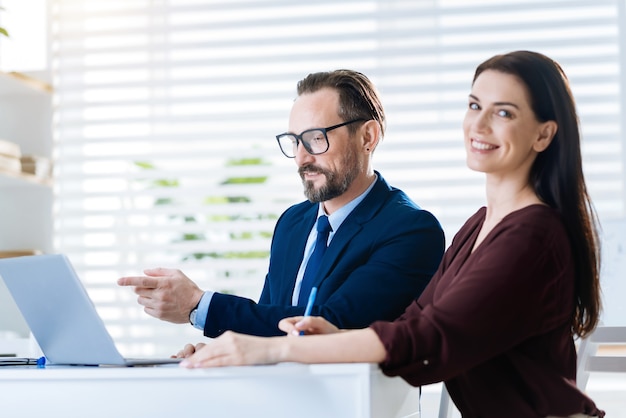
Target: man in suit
[(381, 248)]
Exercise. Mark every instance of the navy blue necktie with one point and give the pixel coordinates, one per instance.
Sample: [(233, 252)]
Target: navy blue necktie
[(313, 265)]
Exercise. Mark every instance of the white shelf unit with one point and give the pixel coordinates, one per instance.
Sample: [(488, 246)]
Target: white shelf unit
[(25, 200)]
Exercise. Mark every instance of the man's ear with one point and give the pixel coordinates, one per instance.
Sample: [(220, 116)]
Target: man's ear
[(547, 131), (371, 135)]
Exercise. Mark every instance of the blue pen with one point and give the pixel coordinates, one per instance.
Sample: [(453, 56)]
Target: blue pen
[(309, 304)]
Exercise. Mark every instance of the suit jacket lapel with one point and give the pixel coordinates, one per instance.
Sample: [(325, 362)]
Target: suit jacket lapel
[(299, 233)]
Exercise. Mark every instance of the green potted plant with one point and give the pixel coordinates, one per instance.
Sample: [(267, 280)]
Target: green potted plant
[(3, 31)]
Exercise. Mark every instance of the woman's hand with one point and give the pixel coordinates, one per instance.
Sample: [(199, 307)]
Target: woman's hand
[(232, 349), (188, 350), (308, 324)]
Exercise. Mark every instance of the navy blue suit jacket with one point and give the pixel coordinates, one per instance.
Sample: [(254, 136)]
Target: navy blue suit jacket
[(379, 260)]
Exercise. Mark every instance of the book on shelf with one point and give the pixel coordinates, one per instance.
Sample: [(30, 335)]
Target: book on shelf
[(10, 164), (10, 149), (38, 166), (31, 81), (10, 154), (19, 253)]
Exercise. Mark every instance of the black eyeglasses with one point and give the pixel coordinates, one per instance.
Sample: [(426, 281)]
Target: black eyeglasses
[(315, 141)]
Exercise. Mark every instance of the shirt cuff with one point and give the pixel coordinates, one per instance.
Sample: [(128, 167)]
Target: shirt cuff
[(203, 309)]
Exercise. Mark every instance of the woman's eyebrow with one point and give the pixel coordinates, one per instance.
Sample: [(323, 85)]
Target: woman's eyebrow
[(496, 103)]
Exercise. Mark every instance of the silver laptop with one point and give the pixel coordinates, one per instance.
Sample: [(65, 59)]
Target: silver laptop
[(60, 314)]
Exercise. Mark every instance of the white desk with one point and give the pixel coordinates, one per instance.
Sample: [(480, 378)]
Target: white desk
[(287, 390)]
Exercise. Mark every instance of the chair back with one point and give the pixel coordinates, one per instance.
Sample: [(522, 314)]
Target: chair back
[(603, 351)]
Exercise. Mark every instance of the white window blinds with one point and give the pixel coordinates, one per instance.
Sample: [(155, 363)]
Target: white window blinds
[(166, 114)]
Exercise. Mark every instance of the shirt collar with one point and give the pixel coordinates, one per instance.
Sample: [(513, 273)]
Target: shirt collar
[(340, 215)]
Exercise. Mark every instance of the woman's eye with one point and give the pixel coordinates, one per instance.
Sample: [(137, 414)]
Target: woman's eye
[(504, 113), (474, 106)]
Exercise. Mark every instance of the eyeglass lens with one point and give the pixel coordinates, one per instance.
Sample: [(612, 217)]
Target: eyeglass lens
[(314, 141)]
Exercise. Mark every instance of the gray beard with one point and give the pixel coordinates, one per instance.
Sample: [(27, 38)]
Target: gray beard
[(326, 192), (336, 183)]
